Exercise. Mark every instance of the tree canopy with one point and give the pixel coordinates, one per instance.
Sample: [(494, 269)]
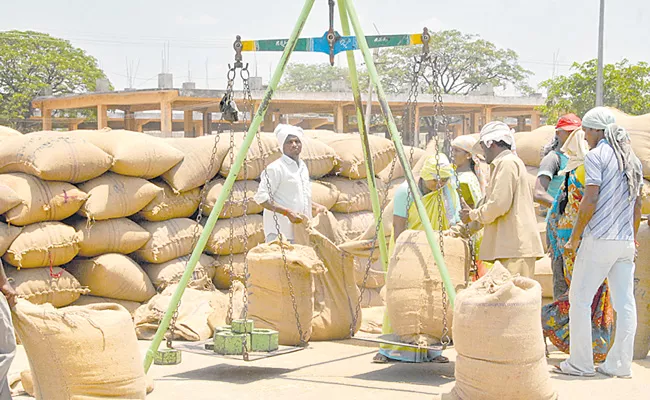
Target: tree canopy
[(626, 87), (31, 62)]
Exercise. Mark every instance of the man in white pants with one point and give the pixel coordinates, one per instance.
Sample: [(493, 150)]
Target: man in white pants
[(608, 221)]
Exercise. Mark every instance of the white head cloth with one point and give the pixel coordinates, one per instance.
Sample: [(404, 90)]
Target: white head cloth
[(283, 131), (497, 131)]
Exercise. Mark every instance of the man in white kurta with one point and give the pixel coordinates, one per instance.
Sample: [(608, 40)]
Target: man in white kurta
[(285, 189)]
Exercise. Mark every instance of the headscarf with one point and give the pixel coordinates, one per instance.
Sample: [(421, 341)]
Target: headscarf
[(602, 118), (437, 167), (283, 131), (576, 148), (497, 131), (467, 143), (568, 123)]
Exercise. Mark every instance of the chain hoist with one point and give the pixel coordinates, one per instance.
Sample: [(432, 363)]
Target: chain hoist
[(227, 105)]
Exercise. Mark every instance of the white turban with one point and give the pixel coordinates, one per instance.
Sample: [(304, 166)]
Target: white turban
[(283, 131), (496, 131), (598, 118)]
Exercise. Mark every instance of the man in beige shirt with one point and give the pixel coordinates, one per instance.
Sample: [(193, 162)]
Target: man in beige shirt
[(506, 212)]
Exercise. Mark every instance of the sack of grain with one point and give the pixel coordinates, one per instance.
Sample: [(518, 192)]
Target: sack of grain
[(116, 196), (640, 145), (8, 132), (135, 154), (327, 225), (325, 194), (43, 244), (354, 195), (642, 294), (544, 276), (8, 199), (414, 286), (319, 157), (256, 160), (195, 169), (119, 235), (219, 315), (87, 352), (372, 319), (645, 197), (532, 176), (632, 122), (39, 286), (192, 320), (373, 298), (167, 204), (115, 276), (170, 272), (41, 200), (335, 292), (351, 162), (376, 278), (222, 272), (512, 363), (530, 144), (248, 232), (169, 240), (53, 157), (241, 196), (268, 292), (398, 171), (8, 234), (354, 224), (387, 221), (85, 300)]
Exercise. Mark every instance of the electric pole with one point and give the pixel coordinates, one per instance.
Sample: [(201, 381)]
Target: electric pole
[(599, 78)]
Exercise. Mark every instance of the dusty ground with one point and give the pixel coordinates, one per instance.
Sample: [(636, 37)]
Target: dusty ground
[(343, 370)]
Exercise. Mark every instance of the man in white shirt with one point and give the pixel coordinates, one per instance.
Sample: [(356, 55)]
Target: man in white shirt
[(285, 189)]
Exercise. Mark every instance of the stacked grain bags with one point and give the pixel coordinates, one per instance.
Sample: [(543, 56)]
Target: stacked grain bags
[(642, 294)]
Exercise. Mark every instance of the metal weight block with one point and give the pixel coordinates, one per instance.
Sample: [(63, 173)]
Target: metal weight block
[(167, 357), (242, 326), (228, 343), (224, 328), (265, 340)]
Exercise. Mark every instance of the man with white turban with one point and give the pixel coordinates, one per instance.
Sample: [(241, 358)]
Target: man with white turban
[(285, 189), (605, 232), (507, 210)]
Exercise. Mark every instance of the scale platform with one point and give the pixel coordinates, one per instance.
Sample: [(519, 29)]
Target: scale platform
[(394, 340), (199, 348)]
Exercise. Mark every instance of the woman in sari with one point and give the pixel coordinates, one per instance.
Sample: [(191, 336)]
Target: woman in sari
[(437, 185), (561, 219)]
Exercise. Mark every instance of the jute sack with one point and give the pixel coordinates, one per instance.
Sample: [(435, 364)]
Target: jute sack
[(39, 286), (373, 298), (222, 278), (119, 235), (386, 219), (8, 234), (135, 154), (256, 160), (169, 240), (7, 131), (413, 155), (239, 202), (8, 199), (512, 363), (167, 204), (248, 232), (335, 292), (88, 352), (532, 175), (376, 276), (351, 162), (530, 144), (642, 294), (632, 122), (193, 312), (85, 300), (116, 196), (115, 276), (645, 197), (41, 200), (221, 303), (53, 157), (170, 272), (325, 194), (318, 156), (640, 143), (355, 224), (43, 244), (270, 304), (373, 319), (195, 170), (414, 286), (544, 276), (354, 195)]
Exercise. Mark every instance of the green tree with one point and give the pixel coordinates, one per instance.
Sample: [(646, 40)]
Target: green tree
[(312, 77), (31, 62), (626, 87)]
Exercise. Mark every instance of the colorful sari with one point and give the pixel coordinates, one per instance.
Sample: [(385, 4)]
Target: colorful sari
[(555, 316), (474, 196), (442, 206)]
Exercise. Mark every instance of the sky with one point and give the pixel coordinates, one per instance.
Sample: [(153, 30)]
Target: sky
[(128, 37)]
